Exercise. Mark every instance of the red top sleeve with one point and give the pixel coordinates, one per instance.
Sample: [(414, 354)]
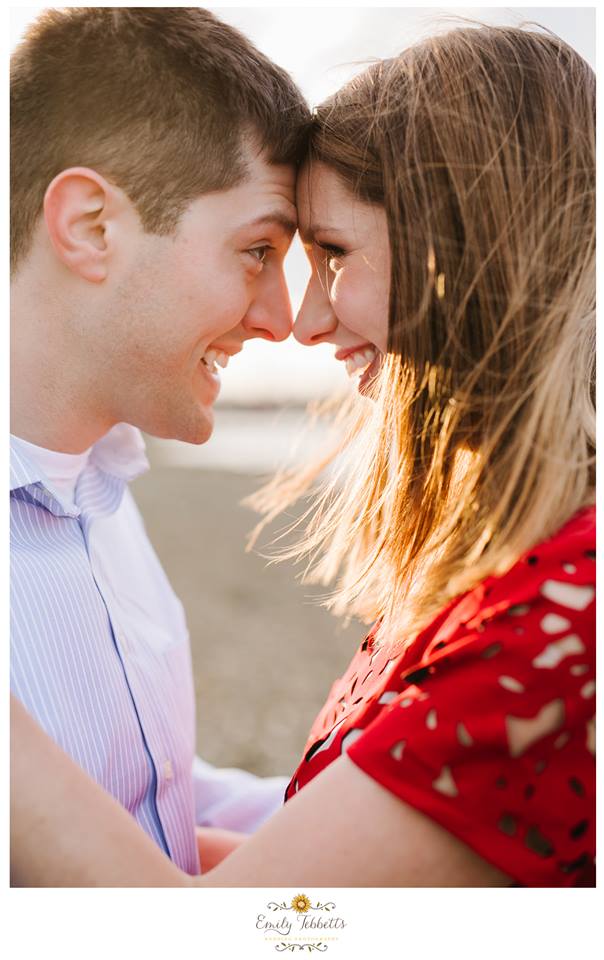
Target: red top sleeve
[(486, 723)]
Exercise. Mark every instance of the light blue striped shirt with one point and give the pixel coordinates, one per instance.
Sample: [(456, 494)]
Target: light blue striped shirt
[(100, 650)]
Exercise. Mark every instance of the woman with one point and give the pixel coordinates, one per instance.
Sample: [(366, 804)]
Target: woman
[(447, 207)]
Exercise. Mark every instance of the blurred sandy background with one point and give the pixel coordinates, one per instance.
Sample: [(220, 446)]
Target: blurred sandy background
[(264, 655)]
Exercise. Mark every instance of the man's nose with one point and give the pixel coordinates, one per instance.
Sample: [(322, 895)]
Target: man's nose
[(270, 314), (316, 320)]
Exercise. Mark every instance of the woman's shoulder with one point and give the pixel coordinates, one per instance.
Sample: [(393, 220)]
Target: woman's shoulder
[(549, 589), (567, 557)]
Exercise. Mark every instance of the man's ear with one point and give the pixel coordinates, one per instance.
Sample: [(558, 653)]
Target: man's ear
[(78, 206)]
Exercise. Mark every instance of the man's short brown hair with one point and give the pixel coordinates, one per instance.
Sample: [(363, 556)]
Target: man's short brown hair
[(158, 100)]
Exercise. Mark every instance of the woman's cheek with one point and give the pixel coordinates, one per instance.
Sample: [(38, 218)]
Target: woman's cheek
[(342, 291), (371, 299), (350, 303)]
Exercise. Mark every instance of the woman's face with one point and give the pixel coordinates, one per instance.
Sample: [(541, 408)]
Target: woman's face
[(346, 301)]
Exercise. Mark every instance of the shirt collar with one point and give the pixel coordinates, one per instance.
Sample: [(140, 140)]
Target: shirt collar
[(22, 470), (120, 453), (25, 473)]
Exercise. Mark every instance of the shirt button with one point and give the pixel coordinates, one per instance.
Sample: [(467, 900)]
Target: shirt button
[(168, 772)]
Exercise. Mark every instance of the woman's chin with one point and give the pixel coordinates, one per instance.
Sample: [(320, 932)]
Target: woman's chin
[(368, 376)]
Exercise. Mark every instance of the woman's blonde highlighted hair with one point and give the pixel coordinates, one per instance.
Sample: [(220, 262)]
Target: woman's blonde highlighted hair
[(479, 439)]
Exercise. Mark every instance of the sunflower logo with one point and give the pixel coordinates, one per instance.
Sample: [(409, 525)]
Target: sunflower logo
[(301, 903)]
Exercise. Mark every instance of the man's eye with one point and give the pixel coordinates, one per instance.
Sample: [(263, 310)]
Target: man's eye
[(260, 253)]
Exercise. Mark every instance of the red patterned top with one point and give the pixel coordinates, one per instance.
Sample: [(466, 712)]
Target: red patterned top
[(485, 723)]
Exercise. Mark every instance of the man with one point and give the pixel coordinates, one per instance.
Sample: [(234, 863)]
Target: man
[(152, 174)]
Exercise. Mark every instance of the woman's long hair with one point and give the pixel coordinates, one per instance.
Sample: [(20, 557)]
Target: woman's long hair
[(479, 439)]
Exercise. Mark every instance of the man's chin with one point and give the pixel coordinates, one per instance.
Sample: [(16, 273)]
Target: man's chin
[(196, 430), (200, 431)]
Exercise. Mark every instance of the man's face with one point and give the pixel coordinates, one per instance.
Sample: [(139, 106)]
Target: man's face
[(216, 282)]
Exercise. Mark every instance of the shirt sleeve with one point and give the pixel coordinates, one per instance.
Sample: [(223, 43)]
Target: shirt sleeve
[(494, 740), (234, 799)]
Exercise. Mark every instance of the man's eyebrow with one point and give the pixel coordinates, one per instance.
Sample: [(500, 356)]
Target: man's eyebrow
[(287, 224)]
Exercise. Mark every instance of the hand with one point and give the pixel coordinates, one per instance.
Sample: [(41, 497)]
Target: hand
[(214, 844)]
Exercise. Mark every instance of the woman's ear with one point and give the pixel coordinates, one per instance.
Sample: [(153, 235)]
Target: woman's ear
[(77, 207)]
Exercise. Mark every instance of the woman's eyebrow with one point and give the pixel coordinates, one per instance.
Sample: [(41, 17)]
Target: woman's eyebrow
[(308, 235)]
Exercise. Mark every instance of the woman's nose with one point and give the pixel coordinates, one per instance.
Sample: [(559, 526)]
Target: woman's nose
[(316, 320)]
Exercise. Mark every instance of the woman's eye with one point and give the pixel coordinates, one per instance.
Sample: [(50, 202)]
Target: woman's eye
[(331, 254)]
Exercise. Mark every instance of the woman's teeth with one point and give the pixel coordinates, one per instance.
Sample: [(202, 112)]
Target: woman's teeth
[(360, 360), (213, 357)]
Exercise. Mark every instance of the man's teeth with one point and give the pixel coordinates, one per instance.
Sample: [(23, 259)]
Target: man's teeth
[(360, 360), (213, 357)]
